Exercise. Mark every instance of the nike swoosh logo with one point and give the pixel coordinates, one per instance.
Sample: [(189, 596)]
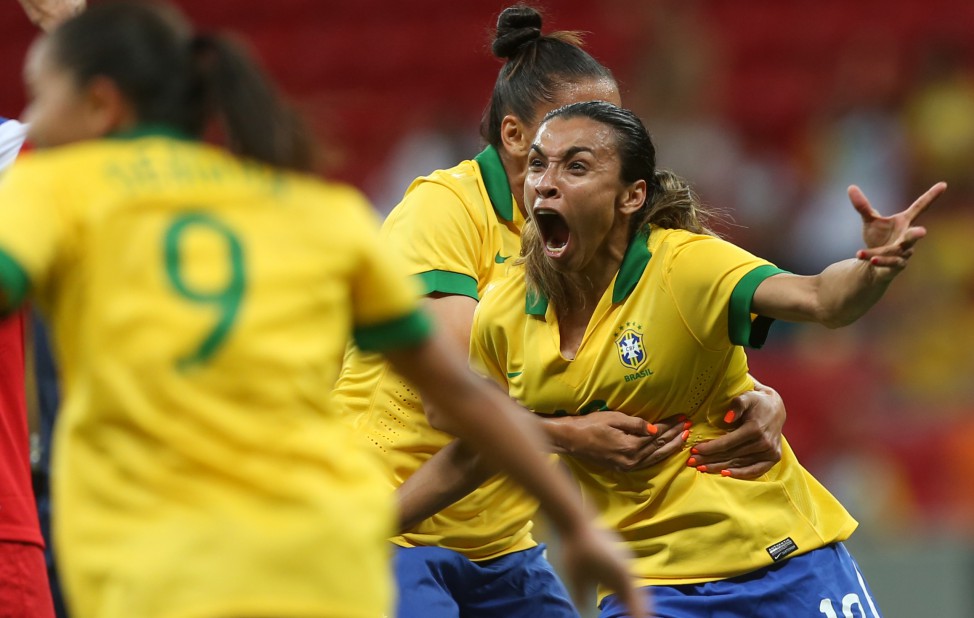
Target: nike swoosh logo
[(514, 374), (500, 259)]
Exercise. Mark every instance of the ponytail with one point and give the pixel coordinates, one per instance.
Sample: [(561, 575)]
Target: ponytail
[(187, 82), (234, 92), (537, 67), (672, 204)]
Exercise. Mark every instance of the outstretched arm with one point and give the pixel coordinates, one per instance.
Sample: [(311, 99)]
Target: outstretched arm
[(844, 291), (452, 473)]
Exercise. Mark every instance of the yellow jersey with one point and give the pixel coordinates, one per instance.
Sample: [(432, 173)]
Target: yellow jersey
[(201, 305), (455, 231), (666, 338)]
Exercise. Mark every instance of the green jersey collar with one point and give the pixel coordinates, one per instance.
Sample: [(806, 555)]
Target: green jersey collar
[(633, 265), (495, 180), (535, 303), (150, 130)]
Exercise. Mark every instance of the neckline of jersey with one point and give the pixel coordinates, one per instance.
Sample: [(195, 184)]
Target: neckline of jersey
[(631, 269), (150, 130), (496, 182)]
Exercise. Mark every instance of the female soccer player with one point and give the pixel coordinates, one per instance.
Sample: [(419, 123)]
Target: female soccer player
[(457, 231), (626, 300), (201, 300)]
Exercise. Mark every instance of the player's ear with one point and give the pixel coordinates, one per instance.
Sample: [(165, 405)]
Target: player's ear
[(633, 197), (516, 136), (107, 109)]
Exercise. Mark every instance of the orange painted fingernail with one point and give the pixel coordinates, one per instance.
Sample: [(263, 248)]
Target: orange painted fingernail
[(861, 255), (687, 425), (685, 434), (729, 417), (692, 462), (652, 429), (725, 473), (695, 451), (701, 468), (874, 261)]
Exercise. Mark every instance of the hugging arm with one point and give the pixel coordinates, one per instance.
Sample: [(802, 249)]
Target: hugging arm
[(509, 438)]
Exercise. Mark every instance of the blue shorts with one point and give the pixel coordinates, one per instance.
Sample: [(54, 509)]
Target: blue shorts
[(824, 583), (439, 583)]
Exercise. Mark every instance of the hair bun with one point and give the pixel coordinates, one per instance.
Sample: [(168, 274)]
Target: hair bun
[(516, 26)]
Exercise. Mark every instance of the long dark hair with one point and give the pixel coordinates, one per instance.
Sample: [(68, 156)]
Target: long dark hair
[(670, 202), (183, 80), (536, 66)]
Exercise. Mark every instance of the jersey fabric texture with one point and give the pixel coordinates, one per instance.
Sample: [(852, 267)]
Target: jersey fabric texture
[(200, 308), (456, 231), (666, 338), (437, 582), (825, 582), (24, 592)]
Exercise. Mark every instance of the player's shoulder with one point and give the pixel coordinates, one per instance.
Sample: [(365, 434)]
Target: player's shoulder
[(75, 158), (676, 237), (12, 134), (460, 185), (464, 176), (12, 130), (666, 244), (503, 296), (339, 195), (335, 209)]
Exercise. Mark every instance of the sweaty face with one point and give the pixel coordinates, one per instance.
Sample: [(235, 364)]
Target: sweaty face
[(572, 190), (58, 110)]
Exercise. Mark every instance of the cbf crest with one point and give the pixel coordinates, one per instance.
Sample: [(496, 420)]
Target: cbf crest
[(629, 345)]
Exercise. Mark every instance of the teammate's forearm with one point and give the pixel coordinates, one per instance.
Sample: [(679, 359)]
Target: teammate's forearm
[(454, 472), (507, 435)]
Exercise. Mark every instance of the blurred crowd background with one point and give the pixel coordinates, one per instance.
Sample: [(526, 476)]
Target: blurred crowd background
[(772, 108)]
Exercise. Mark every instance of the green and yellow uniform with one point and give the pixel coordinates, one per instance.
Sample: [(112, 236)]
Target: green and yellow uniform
[(201, 306), (455, 231), (666, 338)]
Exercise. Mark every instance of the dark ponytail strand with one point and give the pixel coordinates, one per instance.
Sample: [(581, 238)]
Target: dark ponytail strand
[(673, 204), (233, 91), (175, 79)]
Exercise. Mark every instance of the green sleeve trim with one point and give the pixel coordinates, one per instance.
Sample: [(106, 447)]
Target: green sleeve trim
[(446, 282), (741, 329), (402, 332), (14, 282)]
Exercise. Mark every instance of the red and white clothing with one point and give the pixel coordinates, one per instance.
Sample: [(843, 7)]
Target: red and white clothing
[(24, 587)]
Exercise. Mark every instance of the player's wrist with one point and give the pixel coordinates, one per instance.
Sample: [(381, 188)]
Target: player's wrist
[(561, 434)]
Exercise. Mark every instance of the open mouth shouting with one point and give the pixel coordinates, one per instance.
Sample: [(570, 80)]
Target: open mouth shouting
[(554, 231)]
